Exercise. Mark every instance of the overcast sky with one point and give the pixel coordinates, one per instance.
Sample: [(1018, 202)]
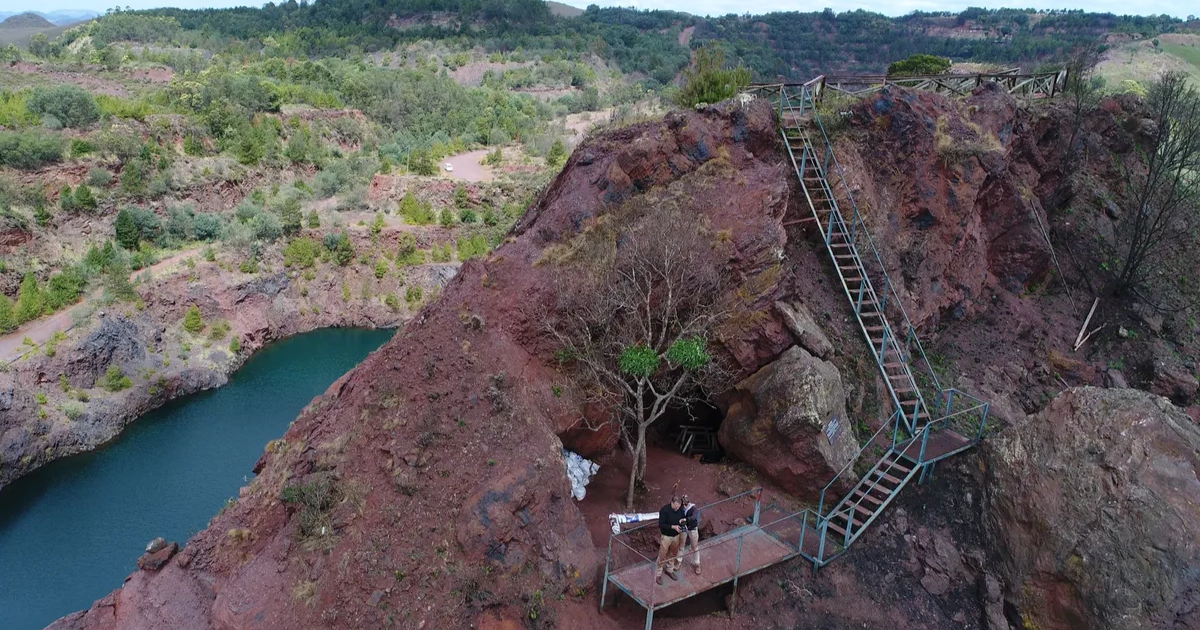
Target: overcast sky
[(1178, 8)]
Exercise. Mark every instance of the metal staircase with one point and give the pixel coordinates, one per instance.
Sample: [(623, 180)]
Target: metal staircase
[(930, 422)]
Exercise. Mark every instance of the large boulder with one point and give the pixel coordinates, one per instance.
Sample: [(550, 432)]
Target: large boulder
[(1094, 507), (779, 421)]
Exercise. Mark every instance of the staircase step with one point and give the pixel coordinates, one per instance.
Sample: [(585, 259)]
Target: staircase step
[(885, 476), (892, 366), (862, 510), (895, 464), (863, 494)]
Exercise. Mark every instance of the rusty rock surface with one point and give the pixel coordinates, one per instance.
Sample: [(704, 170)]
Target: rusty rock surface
[(1092, 505)]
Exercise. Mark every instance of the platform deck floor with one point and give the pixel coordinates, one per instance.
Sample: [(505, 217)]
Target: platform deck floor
[(940, 443), (718, 559)]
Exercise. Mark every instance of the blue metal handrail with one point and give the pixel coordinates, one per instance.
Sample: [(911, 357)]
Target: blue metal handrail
[(807, 101), (893, 422)]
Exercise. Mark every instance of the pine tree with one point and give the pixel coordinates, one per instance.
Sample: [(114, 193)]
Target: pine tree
[(8, 319), (291, 216), (378, 225), (84, 199), (66, 199), (193, 322), (29, 301), (314, 221), (128, 233), (557, 154)]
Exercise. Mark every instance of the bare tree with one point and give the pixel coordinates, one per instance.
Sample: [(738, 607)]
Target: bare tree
[(638, 308), (1083, 94), (1159, 231)]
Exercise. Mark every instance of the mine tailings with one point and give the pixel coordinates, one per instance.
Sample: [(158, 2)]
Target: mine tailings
[(72, 531)]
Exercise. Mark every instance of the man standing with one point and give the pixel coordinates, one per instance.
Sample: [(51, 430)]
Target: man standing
[(691, 533), (670, 526)]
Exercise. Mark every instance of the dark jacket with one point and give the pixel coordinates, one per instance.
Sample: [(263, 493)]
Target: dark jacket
[(667, 517), (691, 512)]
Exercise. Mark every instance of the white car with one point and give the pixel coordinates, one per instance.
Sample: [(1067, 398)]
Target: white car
[(449, 167)]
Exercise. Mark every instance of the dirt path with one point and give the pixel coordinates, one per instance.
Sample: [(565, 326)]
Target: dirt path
[(13, 346), (467, 167)]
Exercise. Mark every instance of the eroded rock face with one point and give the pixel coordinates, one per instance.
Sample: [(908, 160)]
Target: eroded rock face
[(778, 419), (1093, 505), (948, 189), (114, 341)]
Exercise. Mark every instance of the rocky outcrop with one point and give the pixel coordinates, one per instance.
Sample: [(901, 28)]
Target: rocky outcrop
[(948, 189), (115, 341), (810, 336), (1092, 505), (788, 420)]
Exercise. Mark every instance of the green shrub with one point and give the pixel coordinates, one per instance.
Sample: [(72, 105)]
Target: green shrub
[(64, 288), (461, 199), (72, 410), (29, 149), (206, 226), (68, 105), (416, 212), (81, 147), (919, 64), (314, 221), (473, 247), (413, 295), (392, 301), (381, 268), (98, 177), (193, 322), (557, 153), (115, 380), (707, 80), (83, 199), (378, 224), (66, 198), (220, 328), (8, 318), (235, 345), (30, 303), (447, 218), (301, 252), (344, 252), (469, 216), (127, 230)]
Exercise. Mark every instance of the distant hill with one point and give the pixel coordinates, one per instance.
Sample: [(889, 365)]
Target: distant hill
[(56, 18), (27, 20), (564, 10)]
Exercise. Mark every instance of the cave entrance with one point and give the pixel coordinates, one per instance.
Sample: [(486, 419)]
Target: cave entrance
[(692, 430)]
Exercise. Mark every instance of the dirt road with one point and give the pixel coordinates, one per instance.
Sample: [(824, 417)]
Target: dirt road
[(467, 167), (13, 346)]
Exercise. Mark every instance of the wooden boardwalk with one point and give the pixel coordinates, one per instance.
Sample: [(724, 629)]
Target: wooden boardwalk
[(718, 559)]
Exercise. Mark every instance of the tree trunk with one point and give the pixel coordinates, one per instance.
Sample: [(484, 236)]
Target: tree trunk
[(637, 471)]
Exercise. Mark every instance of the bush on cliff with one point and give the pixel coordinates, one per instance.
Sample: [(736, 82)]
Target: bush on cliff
[(193, 322), (115, 380)]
